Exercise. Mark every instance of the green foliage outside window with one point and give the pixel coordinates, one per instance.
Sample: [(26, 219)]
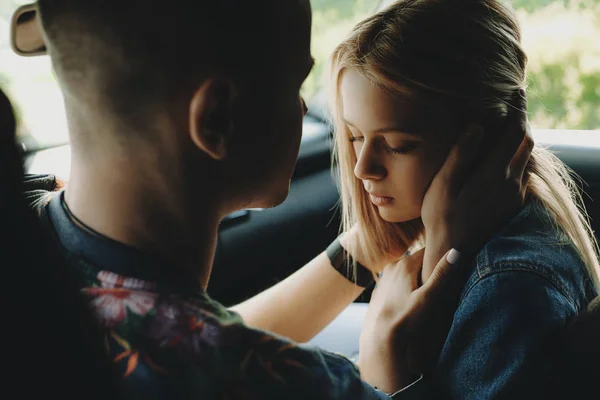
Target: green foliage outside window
[(561, 37)]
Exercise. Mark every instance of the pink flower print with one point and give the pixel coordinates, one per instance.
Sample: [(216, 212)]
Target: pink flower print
[(111, 305), (111, 280)]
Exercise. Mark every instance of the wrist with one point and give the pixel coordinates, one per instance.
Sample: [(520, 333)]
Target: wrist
[(351, 243), (417, 392), (382, 365), (352, 249), (388, 379), (401, 380), (439, 234), (343, 262), (440, 240)]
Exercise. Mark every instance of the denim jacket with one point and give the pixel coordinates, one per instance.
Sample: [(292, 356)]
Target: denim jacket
[(525, 286)]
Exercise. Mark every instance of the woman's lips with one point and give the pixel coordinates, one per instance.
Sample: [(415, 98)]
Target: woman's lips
[(380, 201)]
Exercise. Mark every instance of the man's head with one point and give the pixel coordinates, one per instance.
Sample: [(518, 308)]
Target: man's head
[(193, 88)]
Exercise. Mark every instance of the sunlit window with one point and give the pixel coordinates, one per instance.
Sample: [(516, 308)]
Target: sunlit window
[(332, 21), (562, 39)]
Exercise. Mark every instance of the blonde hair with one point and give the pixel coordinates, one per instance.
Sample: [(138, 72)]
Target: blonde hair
[(467, 55)]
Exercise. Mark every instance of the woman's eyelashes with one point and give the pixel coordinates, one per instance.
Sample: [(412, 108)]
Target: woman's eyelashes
[(400, 150), (403, 149)]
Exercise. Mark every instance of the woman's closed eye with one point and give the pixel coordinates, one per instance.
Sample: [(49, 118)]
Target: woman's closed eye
[(404, 148)]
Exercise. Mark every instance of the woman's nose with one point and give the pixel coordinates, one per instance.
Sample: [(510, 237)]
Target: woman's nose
[(368, 164)]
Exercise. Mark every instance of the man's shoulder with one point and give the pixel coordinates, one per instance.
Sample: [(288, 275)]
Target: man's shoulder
[(169, 340), (171, 337)]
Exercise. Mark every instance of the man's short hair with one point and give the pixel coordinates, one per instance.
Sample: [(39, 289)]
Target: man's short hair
[(133, 52)]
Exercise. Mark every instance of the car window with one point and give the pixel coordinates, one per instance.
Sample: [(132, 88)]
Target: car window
[(32, 87), (562, 41), (332, 21), (560, 36)]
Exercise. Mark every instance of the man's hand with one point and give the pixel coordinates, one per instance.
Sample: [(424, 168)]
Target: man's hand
[(406, 325), (467, 201)]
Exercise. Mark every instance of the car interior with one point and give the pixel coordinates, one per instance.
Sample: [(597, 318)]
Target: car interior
[(263, 246)]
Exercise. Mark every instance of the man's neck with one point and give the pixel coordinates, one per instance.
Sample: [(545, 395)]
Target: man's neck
[(127, 206)]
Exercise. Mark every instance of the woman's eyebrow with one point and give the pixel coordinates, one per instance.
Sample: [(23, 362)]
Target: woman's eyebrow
[(405, 130), (401, 130)]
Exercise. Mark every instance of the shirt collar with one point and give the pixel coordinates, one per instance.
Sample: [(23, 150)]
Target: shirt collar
[(81, 241)]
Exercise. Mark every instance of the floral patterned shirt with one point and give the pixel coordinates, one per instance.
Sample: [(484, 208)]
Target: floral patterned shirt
[(169, 339)]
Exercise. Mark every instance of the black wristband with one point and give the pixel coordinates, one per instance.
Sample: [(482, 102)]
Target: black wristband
[(342, 262)]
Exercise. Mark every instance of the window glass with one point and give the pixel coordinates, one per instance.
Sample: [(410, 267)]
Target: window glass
[(562, 41), (332, 21), (32, 88), (561, 37)]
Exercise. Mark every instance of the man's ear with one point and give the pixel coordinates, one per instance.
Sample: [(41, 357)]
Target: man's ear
[(211, 116)]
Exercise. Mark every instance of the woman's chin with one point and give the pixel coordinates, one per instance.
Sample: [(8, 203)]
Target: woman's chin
[(395, 216)]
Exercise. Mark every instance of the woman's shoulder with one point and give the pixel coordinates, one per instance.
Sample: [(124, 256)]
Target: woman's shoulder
[(532, 243)]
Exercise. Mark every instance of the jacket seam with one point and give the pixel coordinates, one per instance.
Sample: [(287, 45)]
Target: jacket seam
[(520, 266)]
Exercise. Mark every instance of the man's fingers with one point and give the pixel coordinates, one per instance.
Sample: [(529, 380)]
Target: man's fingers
[(515, 131), (443, 267), (448, 277), (407, 271), (517, 113), (412, 263), (521, 158), (460, 158)]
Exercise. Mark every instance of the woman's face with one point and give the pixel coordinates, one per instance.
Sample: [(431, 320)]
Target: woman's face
[(399, 146)]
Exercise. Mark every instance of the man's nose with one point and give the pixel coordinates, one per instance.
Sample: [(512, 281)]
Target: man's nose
[(368, 164)]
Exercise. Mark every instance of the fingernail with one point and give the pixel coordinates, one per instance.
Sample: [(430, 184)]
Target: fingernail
[(453, 256)]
